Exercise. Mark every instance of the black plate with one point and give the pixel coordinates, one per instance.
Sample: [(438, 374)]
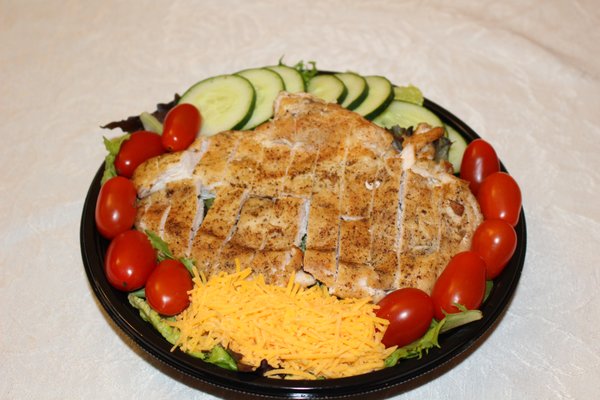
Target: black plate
[(401, 377)]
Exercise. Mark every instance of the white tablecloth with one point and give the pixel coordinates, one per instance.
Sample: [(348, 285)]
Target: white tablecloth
[(524, 74)]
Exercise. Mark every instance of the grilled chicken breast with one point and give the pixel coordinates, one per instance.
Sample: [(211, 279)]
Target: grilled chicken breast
[(369, 218)]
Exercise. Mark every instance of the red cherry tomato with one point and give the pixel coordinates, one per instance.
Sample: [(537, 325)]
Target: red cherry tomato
[(140, 146), (478, 162), (462, 282), (130, 259), (167, 287), (181, 126), (500, 198), (495, 241), (409, 311), (115, 207)]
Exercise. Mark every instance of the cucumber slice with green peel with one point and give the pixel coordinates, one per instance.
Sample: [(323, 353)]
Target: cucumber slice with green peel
[(457, 149), (357, 89), (406, 115), (381, 94), (292, 79), (327, 87), (225, 102), (267, 84)]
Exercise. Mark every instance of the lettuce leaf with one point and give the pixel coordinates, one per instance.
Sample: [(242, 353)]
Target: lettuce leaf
[(218, 355), (430, 339), (135, 123), (112, 146), (170, 333), (164, 253), (409, 94), (307, 71), (151, 123)]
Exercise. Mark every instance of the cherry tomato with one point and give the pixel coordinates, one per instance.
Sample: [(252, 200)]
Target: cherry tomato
[(181, 126), (167, 287), (140, 146), (130, 259), (115, 207), (462, 282), (495, 241), (478, 162), (409, 311), (500, 198)]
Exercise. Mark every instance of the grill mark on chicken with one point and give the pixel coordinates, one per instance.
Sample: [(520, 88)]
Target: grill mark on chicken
[(375, 219)]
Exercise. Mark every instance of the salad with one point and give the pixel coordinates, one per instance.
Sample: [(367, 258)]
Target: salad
[(407, 322)]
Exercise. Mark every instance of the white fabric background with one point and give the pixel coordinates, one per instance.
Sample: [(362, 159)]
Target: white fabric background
[(524, 74)]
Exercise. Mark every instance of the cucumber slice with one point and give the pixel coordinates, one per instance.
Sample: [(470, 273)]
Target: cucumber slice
[(357, 89), (459, 144), (225, 102), (267, 84), (381, 94), (292, 80), (328, 88), (405, 115)]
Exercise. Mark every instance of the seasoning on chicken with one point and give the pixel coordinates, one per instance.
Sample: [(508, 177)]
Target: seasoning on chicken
[(318, 191)]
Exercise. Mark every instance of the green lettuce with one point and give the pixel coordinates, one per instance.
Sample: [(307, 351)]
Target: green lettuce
[(409, 94), (163, 252), (430, 339), (218, 355), (112, 146)]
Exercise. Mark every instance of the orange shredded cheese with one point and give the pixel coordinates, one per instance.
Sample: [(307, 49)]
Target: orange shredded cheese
[(305, 333)]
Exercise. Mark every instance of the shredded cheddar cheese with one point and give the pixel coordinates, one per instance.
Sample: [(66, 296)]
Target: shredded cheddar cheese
[(305, 333)]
